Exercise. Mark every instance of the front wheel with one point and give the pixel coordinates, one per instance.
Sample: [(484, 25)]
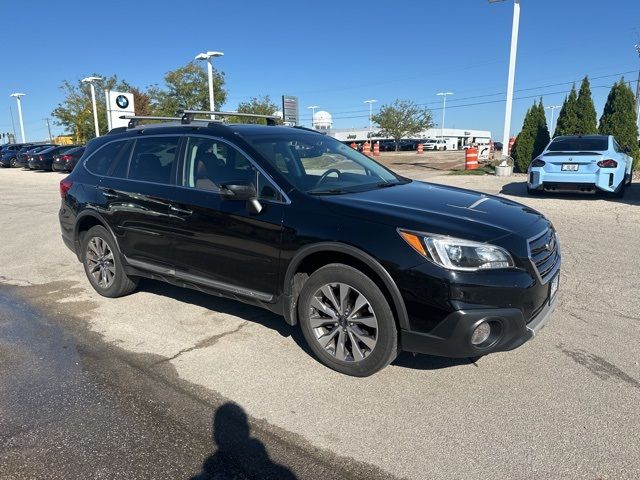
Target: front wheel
[(102, 264), (347, 321)]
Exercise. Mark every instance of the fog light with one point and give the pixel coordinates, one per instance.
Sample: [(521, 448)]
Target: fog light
[(481, 333)]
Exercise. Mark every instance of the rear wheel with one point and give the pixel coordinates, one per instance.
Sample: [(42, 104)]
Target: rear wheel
[(102, 264), (14, 162), (621, 189), (347, 321)]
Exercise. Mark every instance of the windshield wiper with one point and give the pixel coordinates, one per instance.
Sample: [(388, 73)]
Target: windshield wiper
[(329, 191)]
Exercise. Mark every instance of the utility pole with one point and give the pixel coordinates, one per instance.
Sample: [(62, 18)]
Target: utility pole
[(49, 128), (13, 125), (638, 90)]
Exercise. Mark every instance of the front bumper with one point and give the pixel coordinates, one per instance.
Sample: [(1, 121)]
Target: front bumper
[(452, 337), (606, 180)]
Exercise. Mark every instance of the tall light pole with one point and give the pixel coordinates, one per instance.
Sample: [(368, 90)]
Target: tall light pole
[(444, 110), (208, 56), (90, 81), (638, 90), (370, 102), (313, 113), (17, 97), (512, 73), (553, 109)]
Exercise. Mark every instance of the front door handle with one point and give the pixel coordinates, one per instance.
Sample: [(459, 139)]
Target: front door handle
[(180, 211)]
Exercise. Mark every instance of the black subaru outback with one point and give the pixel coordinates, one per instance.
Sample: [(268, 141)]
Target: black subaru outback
[(366, 261)]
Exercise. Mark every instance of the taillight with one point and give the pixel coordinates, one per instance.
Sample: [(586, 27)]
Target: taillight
[(65, 186), (41, 157), (607, 163), (66, 158), (538, 163)]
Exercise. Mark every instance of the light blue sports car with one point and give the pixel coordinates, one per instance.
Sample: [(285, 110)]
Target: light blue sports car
[(581, 164)]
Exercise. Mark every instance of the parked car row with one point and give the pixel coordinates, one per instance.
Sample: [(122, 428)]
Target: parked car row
[(50, 157)]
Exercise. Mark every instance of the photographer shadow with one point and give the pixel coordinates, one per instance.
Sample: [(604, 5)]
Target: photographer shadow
[(236, 453)]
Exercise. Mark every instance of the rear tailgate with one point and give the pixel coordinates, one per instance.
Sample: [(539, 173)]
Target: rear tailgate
[(571, 162)]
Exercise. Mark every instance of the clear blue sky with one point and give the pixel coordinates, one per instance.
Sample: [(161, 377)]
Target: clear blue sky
[(334, 54)]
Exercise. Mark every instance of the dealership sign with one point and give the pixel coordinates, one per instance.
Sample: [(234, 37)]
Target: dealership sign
[(119, 104), (290, 110)]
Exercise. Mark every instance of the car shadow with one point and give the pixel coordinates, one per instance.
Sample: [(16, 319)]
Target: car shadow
[(420, 361), (519, 189), (235, 452), (226, 306), (276, 322)]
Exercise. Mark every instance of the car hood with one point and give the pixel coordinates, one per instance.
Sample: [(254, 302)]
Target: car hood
[(440, 209)]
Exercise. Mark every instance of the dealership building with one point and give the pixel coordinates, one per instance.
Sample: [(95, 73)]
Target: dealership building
[(455, 137)]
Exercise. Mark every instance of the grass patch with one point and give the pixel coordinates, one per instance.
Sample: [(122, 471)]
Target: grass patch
[(484, 170)]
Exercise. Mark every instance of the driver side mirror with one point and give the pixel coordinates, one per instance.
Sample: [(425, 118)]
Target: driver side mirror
[(243, 191)]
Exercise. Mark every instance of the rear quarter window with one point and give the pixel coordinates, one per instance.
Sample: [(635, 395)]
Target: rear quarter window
[(111, 154)]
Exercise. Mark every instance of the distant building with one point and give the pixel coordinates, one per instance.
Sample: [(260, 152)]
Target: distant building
[(457, 136)]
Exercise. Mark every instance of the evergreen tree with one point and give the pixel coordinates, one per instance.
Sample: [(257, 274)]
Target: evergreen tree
[(541, 131), (619, 118), (523, 147), (567, 123), (585, 111)]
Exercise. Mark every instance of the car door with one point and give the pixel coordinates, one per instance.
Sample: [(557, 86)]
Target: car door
[(220, 243), (135, 197)]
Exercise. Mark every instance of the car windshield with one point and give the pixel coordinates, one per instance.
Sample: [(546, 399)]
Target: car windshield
[(578, 144), (319, 164)]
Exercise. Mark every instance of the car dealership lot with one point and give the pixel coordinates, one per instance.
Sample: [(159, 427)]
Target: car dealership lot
[(563, 405)]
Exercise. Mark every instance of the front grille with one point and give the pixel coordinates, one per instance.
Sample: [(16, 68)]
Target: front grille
[(544, 253)]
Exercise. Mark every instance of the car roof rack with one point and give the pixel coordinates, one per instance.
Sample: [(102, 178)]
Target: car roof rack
[(134, 120), (189, 115)]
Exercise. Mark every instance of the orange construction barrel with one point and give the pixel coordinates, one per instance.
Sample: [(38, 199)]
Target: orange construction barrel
[(376, 149), (354, 145), (366, 148), (420, 148), (471, 158)]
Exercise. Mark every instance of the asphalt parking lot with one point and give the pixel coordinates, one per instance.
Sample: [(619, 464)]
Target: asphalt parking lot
[(565, 405)]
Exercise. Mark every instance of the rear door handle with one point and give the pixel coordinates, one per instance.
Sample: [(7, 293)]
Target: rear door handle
[(180, 211), (107, 192)]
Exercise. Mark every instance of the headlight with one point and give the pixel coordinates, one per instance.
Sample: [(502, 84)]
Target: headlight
[(456, 253)]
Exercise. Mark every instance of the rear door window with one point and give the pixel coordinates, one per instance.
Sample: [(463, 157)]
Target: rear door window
[(154, 159)]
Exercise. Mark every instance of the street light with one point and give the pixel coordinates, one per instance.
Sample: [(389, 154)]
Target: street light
[(313, 113), (208, 56), (370, 102), (553, 109), (90, 81), (512, 72), (17, 97), (444, 110)]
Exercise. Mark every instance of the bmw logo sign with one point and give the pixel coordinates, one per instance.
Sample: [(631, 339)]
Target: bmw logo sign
[(122, 101)]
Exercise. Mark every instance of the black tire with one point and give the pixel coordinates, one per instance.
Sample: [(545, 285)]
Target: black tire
[(385, 349), (121, 284), (620, 192), (13, 163)]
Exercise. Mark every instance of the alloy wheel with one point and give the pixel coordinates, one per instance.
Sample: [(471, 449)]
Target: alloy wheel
[(343, 322), (100, 262)]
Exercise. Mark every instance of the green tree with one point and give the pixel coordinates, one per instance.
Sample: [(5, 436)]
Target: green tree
[(261, 105), (567, 123), (587, 122), (187, 87), (619, 119), (403, 118), (75, 113), (532, 139), (541, 136)]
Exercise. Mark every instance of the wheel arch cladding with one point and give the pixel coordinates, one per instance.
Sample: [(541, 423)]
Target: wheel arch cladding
[(311, 258), (85, 221)]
